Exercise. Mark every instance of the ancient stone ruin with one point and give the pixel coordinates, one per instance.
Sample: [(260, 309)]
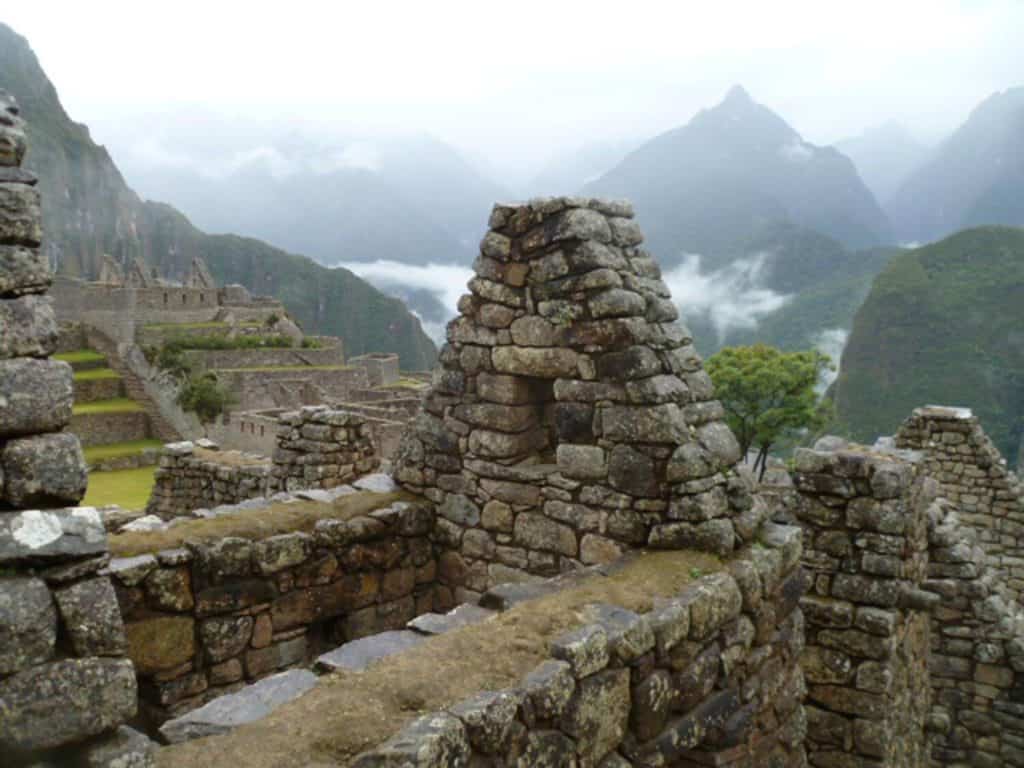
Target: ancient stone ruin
[(577, 570), (66, 683)]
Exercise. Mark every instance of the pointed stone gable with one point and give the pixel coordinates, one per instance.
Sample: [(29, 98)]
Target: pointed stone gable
[(111, 272), (199, 276), (139, 275), (571, 418)]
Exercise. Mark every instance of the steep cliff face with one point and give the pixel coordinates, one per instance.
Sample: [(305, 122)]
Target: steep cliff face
[(89, 210), (942, 324)]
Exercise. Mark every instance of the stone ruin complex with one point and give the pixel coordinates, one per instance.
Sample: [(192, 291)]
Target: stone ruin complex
[(568, 434)]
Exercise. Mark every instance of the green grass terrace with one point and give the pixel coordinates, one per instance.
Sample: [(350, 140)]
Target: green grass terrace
[(97, 453), (114, 405)]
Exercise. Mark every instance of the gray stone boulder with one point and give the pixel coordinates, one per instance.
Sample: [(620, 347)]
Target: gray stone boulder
[(51, 535), (35, 396), (23, 270), (357, 655), (92, 618), (252, 703), (28, 624), (21, 219), (66, 701), (28, 327), (124, 748), (44, 470)]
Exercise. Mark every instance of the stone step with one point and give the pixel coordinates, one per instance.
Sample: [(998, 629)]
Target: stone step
[(98, 384), (254, 702), (461, 616), (357, 655), (83, 359)]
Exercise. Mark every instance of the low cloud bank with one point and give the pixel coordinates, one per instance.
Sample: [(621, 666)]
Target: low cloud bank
[(432, 291), (731, 298), (831, 342)]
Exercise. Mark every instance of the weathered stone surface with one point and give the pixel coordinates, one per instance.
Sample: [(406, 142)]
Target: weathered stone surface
[(92, 619), (359, 654), (51, 535), (170, 589), (549, 688), (629, 634), (23, 270), (586, 649), (224, 637), (632, 472), (538, 532), (65, 701), (429, 741), (547, 749), (21, 218), (28, 624), (548, 363), (35, 396), (488, 718), (160, 643), (649, 424), (44, 470), (124, 748), (461, 616), (252, 703), (28, 327), (598, 714), (279, 552), (459, 509), (495, 388)]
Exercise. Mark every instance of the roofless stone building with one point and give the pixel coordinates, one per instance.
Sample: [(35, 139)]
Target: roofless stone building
[(571, 418)]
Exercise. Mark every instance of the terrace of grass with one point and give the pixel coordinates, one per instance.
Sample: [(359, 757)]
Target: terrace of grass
[(350, 712), (114, 405), (128, 488), (253, 524), (94, 374), (97, 453), (212, 325)]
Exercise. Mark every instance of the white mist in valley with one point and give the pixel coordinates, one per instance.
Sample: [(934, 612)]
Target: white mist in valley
[(831, 342), (432, 292), (731, 298)]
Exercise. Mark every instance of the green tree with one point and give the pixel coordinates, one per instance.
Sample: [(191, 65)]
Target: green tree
[(769, 395), (206, 397)]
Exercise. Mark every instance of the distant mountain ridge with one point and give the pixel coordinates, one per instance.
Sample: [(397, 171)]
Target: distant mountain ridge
[(733, 172), (88, 210), (974, 178), (885, 156)]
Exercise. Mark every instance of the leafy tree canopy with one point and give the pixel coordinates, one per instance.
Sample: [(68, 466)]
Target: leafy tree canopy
[(206, 397), (769, 395)]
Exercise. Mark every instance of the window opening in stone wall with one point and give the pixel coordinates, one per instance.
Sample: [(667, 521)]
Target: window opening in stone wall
[(166, 297), (184, 298)]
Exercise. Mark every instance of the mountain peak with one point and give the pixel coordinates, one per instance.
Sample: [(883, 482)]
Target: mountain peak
[(737, 95)]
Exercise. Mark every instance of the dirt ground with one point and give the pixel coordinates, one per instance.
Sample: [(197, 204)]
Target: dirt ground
[(347, 713)]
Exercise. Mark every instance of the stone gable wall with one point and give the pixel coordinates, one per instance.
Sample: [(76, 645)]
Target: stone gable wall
[(570, 418), (975, 477)]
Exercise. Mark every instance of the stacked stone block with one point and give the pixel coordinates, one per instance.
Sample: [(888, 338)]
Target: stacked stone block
[(321, 448), (976, 664), (975, 477), (570, 419), (317, 448), (40, 465), (204, 620), (710, 677), (866, 660)]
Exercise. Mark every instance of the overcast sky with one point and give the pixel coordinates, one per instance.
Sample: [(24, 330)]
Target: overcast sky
[(512, 83)]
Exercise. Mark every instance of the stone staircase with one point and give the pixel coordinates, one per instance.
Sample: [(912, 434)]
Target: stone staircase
[(159, 427)]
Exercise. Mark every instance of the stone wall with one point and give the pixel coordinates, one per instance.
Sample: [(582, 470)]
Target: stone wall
[(571, 419), (317, 448), (258, 389), (709, 678), (267, 357), (866, 661), (975, 477), (381, 368), (111, 427), (203, 620), (65, 684)]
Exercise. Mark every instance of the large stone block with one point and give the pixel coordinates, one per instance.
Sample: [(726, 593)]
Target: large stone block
[(161, 643), (92, 619), (538, 532), (35, 396), (23, 270), (51, 535), (44, 470), (549, 363), (28, 327), (21, 219), (63, 702), (28, 624), (645, 424), (598, 715)]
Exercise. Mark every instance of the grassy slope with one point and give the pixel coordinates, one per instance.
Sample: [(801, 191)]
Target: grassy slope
[(943, 324), (115, 405), (96, 453), (129, 488)]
